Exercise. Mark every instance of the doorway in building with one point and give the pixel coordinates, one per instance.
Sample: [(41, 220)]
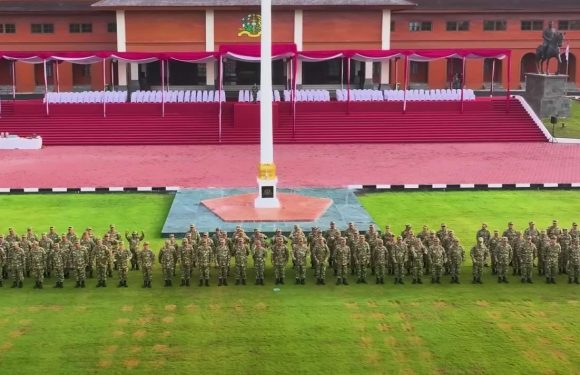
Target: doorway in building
[(528, 65), (39, 73), (454, 72), (326, 72), (247, 73), (488, 69), (419, 73), (81, 75)]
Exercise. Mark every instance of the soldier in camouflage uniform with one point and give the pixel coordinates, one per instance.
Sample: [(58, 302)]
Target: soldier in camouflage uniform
[(186, 257), (203, 258), (424, 234), (222, 259), (57, 262), (321, 253), (146, 261), (551, 257), (516, 260), (193, 234), (173, 245), (4, 246), (371, 237), (134, 241), (299, 256), (114, 248), (380, 260), (37, 264), (89, 243), (543, 243), (442, 233), (438, 259), (66, 247), (527, 254), (103, 260), (493, 245), (504, 256), (53, 235), (71, 235), (510, 233), (47, 244), (241, 251), (573, 269), (564, 240), (362, 256), (456, 256), (259, 254), (17, 259), (79, 258), (532, 232), (399, 258), (167, 260), (416, 252), (25, 245), (342, 258), (12, 237), (485, 234), (574, 232), (332, 235), (351, 235), (280, 256), (124, 256), (554, 230), (478, 254)]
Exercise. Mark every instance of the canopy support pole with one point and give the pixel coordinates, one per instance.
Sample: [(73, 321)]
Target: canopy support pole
[(220, 86), (342, 73), (509, 79), (396, 73), (348, 85), (162, 88), (463, 84), (57, 77), (405, 83), (112, 75), (104, 88), (45, 87), (492, 78), (14, 80)]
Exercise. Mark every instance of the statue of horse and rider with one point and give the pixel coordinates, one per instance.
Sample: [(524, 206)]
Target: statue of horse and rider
[(549, 49)]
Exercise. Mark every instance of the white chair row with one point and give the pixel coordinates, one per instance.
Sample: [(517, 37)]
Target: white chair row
[(358, 95), (246, 96), (429, 95), (308, 96), (179, 96), (86, 97)]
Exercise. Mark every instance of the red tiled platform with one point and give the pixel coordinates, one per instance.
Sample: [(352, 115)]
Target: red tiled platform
[(293, 207)]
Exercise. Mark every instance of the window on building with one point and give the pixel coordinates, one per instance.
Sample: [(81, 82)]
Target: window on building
[(569, 25), (80, 28), (420, 26), (112, 27), (42, 28), (457, 25), (7, 28), (494, 25), (529, 25), (86, 70)]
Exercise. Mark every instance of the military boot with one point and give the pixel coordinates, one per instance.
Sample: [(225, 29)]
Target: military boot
[(297, 282), (414, 281), (207, 282), (338, 281), (382, 280), (103, 284), (553, 281), (225, 281), (187, 282), (125, 284), (419, 281), (182, 282), (149, 284), (40, 285), (576, 281), (344, 281), (120, 284), (474, 280), (200, 282), (530, 280), (303, 281), (499, 280), (505, 280), (322, 282), (220, 281), (432, 280), (78, 284), (144, 284), (57, 285), (378, 281), (479, 280), (456, 280), (548, 280), (282, 281), (35, 285), (569, 280), (20, 285)]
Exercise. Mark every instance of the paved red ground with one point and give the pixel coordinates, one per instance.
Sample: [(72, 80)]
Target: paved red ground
[(298, 165)]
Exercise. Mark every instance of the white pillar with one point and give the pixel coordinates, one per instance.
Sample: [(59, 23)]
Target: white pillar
[(298, 40), (210, 46), (385, 44), (121, 47), (134, 72), (267, 196)]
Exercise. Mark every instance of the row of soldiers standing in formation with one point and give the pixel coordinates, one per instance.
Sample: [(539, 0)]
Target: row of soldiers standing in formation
[(428, 252), (556, 249)]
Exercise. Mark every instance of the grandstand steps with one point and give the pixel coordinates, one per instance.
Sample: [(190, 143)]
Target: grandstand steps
[(334, 122)]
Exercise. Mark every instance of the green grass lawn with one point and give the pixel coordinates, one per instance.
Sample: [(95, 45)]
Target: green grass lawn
[(572, 128), (358, 329)]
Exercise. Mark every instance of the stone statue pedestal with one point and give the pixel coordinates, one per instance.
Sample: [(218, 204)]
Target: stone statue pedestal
[(546, 95)]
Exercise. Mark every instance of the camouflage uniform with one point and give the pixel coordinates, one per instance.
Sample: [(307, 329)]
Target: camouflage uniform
[(351, 235), (57, 262), (503, 257), (299, 256), (332, 235), (551, 261), (25, 246), (380, 261), (565, 239), (186, 256), (280, 255), (203, 259), (554, 230), (438, 259), (543, 243), (66, 247), (167, 261), (89, 244), (493, 244), (222, 259), (123, 257), (371, 237), (103, 260), (79, 258), (362, 256), (573, 269), (574, 232), (456, 256), (37, 264), (516, 260), (259, 254), (146, 261), (478, 254), (399, 258), (415, 253), (47, 244), (17, 260), (527, 255), (2, 262), (342, 257), (485, 234), (321, 254), (134, 241)]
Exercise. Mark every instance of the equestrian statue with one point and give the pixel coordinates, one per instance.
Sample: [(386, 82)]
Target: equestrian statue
[(549, 49)]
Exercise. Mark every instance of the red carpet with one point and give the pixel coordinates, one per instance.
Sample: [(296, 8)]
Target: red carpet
[(333, 122)]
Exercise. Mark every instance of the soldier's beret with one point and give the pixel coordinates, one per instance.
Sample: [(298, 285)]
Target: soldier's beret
[(532, 223), (510, 223), (145, 243), (574, 224), (70, 227), (51, 227), (554, 221)]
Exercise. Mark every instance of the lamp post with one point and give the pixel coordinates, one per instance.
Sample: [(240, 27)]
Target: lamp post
[(267, 180)]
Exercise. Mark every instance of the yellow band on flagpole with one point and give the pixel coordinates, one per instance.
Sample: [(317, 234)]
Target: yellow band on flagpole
[(267, 171)]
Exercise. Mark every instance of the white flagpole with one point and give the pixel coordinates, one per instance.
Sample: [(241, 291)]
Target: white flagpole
[(13, 79), (45, 87), (104, 88)]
